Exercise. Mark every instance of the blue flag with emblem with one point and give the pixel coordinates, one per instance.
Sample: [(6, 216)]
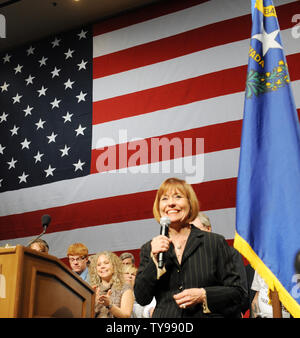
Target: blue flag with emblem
[(268, 189)]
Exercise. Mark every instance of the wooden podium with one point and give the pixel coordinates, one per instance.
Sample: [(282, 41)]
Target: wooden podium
[(34, 284)]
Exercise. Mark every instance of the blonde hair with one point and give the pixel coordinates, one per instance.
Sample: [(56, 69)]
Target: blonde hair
[(185, 188), (129, 269), (117, 277)]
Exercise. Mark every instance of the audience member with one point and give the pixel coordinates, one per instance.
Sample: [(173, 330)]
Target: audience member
[(139, 311), (40, 245), (261, 304), (78, 258), (114, 297), (199, 278), (129, 274), (127, 258)]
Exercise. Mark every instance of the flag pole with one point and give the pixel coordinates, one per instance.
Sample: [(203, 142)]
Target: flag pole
[(276, 304)]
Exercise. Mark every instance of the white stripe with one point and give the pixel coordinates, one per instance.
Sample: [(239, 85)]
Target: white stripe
[(168, 25), (113, 184), (121, 236), (184, 117), (181, 68), (177, 69)]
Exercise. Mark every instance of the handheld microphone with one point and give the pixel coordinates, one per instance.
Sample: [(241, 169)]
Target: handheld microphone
[(164, 230), (46, 219)]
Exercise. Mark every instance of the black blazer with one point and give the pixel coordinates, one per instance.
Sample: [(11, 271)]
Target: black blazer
[(206, 263)]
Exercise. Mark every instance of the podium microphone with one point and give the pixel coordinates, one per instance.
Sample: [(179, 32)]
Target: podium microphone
[(46, 219), (164, 230)]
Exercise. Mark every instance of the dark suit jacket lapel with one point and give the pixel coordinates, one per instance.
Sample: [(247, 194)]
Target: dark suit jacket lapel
[(195, 239)]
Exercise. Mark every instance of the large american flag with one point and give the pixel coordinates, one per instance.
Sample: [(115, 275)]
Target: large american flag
[(92, 121)]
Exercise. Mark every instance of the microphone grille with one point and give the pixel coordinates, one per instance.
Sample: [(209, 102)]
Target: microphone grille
[(165, 221), (46, 219)]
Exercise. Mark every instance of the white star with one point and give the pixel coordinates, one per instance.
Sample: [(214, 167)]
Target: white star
[(69, 53), (3, 117), (78, 165), (52, 137), (4, 87), (65, 151), (25, 144), (23, 178), (55, 103), (82, 34), (38, 157), (82, 65), (29, 80), (55, 43), (28, 110), (30, 50), (80, 130), (17, 98), (18, 69), (81, 96), (69, 84), (12, 163), (14, 131), (6, 58), (49, 171), (42, 91), (42, 61), (55, 72), (67, 117), (267, 40), (40, 124), (1, 149)]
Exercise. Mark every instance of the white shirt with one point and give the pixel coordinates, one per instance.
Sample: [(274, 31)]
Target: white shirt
[(266, 310)]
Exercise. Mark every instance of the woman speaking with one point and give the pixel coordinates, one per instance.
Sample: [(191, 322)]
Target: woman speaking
[(198, 278)]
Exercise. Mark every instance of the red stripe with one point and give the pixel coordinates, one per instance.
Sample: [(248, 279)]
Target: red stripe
[(203, 87), (298, 110), (216, 137), (164, 49), (294, 66), (136, 254), (212, 195), (143, 14), (181, 44)]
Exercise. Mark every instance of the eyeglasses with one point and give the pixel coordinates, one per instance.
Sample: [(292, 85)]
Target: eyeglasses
[(77, 259)]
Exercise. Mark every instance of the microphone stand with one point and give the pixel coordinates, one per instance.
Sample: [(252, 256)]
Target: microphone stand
[(39, 236)]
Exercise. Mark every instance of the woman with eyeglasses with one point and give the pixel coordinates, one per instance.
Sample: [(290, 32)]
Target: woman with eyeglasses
[(114, 297)]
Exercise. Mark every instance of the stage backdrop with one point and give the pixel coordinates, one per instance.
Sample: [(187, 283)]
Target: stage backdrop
[(93, 120)]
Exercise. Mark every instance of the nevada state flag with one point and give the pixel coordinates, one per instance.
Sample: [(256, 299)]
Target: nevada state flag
[(268, 189)]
